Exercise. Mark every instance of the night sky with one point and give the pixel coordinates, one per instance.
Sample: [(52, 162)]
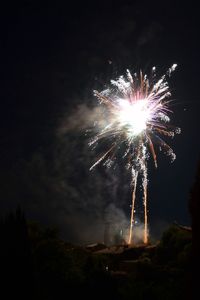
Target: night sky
[(52, 57)]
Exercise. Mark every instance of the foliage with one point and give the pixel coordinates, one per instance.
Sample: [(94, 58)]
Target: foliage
[(175, 243), (43, 266)]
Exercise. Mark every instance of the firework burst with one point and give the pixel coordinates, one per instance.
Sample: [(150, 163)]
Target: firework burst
[(136, 116)]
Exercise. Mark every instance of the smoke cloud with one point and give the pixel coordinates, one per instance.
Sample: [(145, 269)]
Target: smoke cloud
[(81, 119)]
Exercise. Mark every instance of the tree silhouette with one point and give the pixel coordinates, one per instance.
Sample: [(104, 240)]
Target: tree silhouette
[(15, 257), (194, 206)]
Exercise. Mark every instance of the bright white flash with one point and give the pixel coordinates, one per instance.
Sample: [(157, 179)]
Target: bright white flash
[(134, 116)]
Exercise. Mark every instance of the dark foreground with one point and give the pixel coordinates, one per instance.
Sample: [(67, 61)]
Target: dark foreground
[(36, 264)]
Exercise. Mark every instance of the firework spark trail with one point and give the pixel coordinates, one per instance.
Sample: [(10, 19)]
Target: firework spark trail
[(133, 208), (135, 115), (145, 238), (101, 158)]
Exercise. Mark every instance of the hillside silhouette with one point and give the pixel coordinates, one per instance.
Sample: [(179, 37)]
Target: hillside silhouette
[(37, 264)]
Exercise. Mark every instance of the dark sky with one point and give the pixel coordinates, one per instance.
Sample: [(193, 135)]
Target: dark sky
[(52, 56)]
